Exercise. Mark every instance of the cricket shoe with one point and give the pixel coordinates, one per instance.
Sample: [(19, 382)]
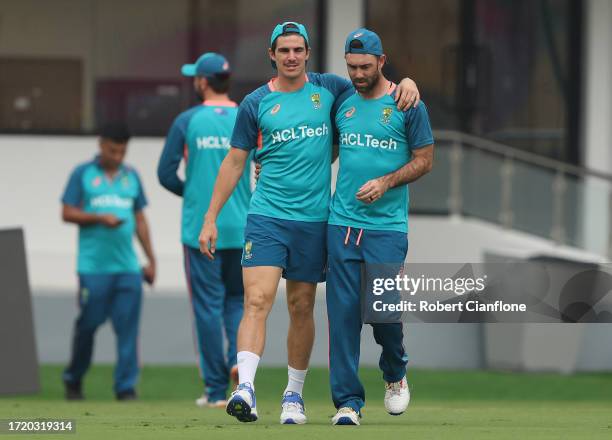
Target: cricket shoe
[(346, 416), (204, 402), (242, 403), (292, 409), (397, 397), (73, 390), (128, 395)]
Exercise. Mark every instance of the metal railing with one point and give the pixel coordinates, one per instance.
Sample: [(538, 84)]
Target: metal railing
[(516, 189)]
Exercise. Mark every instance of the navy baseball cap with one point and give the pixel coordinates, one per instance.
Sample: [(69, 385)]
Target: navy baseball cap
[(363, 41), (288, 27), (209, 64)]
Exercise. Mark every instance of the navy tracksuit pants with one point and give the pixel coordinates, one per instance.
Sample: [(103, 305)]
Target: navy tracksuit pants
[(104, 296), (348, 249), (217, 299)]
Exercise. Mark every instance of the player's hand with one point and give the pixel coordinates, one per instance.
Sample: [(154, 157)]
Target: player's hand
[(208, 238), (110, 220), (407, 94), (372, 190), (257, 171), (148, 273)]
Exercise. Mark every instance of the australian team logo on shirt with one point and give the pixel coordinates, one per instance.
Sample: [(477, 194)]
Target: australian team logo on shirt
[(84, 295), (248, 246), (316, 100), (386, 115)]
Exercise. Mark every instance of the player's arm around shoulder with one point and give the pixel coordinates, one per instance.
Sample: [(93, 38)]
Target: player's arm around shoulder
[(406, 96)]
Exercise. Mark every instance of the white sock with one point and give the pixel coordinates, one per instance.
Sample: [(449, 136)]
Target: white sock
[(247, 367), (296, 380)]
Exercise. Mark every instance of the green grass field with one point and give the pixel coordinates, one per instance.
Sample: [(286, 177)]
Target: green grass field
[(452, 405)]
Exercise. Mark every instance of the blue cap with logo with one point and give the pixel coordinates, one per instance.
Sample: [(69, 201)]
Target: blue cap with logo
[(363, 41), (209, 64), (288, 27)]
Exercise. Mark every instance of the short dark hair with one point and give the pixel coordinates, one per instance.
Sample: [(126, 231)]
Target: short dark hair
[(115, 131), (220, 83), (284, 35)]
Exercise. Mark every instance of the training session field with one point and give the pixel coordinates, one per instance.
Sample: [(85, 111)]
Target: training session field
[(453, 405)]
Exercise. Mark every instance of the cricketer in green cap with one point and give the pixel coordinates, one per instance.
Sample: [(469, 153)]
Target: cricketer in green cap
[(285, 29)]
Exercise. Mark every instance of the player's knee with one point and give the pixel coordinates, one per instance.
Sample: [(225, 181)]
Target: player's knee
[(256, 303), (300, 307)]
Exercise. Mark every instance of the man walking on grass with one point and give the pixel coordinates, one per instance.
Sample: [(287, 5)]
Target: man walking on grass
[(287, 124)]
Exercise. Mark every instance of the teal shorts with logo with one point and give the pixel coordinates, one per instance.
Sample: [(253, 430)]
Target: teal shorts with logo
[(298, 247)]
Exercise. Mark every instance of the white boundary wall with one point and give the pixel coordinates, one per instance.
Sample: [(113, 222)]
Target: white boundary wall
[(34, 171)]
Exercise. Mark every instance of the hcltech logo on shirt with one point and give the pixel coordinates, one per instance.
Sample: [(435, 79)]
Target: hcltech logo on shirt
[(112, 201), (220, 142), (301, 132), (367, 140)]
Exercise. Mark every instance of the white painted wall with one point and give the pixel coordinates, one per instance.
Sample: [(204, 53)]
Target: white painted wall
[(343, 16), (34, 171)]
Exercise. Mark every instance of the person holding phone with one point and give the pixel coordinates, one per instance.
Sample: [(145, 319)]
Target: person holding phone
[(106, 199)]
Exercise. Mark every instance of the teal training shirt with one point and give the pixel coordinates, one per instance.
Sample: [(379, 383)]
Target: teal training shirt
[(375, 139), (291, 133), (201, 137), (104, 250)]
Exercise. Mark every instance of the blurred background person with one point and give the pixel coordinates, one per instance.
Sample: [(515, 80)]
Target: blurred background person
[(106, 199), (200, 136)]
